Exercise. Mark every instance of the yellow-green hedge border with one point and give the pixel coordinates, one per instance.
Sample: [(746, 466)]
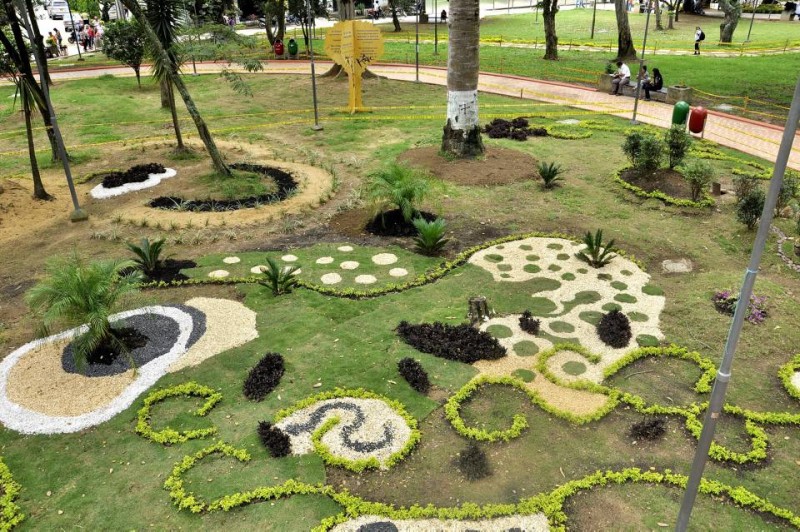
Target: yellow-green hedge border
[(169, 436)]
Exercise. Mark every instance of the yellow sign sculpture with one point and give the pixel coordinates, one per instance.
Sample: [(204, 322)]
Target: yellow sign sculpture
[(354, 44)]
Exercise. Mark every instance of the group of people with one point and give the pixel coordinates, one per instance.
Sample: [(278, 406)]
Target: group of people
[(88, 35), (623, 76), (55, 43)]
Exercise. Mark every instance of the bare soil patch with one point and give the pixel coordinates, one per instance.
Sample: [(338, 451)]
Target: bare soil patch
[(666, 180), (500, 166)]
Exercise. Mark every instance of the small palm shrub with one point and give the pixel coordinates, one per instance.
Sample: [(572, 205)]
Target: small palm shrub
[(473, 463), (749, 208), (597, 254), (678, 143), (550, 174), (528, 323), (264, 377), (698, 174), (75, 293), (430, 238), (614, 329), (148, 255), (399, 186), (279, 279), (274, 439), (416, 376)]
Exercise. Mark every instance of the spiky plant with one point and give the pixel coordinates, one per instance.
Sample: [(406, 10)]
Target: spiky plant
[(550, 174), (148, 255), (399, 186), (75, 293), (430, 236), (279, 279), (597, 254)]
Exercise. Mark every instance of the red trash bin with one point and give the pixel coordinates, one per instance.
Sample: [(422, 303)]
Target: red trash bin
[(278, 48), (697, 120)]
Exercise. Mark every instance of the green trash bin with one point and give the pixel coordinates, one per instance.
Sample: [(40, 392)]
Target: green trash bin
[(680, 112), (292, 48)]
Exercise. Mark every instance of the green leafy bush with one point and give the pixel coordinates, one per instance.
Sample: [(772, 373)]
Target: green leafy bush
[(787, 193), (678, 143), (743, 185), (644, 150), (148, 255), (76, 293), (550, 174), (430, 238), (279, 279), (699, 174), (597, 254), (749, 208), (399, 186)]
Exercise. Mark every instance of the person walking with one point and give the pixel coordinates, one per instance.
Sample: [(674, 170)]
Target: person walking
[(621, 78), (698, 36), (60, 41), (655, 85)]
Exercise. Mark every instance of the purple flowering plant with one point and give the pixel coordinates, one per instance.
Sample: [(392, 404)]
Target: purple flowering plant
[(725, 302)]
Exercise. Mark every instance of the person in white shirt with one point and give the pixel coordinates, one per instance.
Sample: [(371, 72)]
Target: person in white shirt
[(621, 78), (698, 36)]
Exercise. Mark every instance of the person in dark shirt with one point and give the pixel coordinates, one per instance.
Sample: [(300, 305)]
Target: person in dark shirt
[(656, 84)]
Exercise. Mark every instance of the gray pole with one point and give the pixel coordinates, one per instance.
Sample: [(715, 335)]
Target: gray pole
[(435, 28), (419, 6), (316, 126), (594, 16), (724, 372), (74, 32), (637, 90), (78, 215), (751, 22)]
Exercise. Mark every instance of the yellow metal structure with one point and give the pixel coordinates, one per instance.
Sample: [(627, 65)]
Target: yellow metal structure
[(354, 44)]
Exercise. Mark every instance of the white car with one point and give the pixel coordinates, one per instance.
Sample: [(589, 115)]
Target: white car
[(58, 9)]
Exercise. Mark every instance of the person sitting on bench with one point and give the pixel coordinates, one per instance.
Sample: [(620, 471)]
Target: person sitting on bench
[(656, 85), (621, 78)]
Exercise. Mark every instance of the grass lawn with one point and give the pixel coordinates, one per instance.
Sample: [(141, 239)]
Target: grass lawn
[(327, 341)]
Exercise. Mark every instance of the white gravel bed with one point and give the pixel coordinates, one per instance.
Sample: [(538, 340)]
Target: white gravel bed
[(349, 265), (25, 420), (382, 429), (324, 260), (289, 258), (528, 523), (231, 260), (384, 259), (366, 279), (229, 324), (796, 380), (219, 274), (345, 249), (101, 192), (331, 278), (261, 268), (398, 272)]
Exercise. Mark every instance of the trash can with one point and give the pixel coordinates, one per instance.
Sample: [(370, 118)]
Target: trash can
[(679, 113), (292, 47), (697, 120), (278, 48)]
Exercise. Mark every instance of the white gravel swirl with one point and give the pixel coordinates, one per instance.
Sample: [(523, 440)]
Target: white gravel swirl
[(384, 259), (331, 278), (528, 523), (101, 192), (349, 265)]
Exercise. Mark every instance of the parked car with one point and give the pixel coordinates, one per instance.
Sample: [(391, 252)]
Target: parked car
[(58, 9)]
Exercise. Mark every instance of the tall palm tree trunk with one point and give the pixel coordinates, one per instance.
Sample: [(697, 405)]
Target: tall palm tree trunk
[(175, 122), (462, 134), (625, 49), (38, 187)]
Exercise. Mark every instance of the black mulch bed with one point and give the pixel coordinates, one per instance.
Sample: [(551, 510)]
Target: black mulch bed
[(392, 223), (160, 332), (170, 270), (135, 174), (285, 182), (453, 342), (516, 129)]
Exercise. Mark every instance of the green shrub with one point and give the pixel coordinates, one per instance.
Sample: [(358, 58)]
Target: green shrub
[(787, 193), (279, 279), (678, 143), (749, 208), (644, 150), (699, 175), (399, 186), (743, 185), (76, 293), (596, 253), (550, 174), (430, 236), (148, 255)]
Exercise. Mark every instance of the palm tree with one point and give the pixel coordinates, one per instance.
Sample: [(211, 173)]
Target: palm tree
[(462, 134), (550, 8), (625, 49)]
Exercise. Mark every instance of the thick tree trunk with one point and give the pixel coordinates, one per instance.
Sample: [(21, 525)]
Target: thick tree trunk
[(732, 10), (164, 86), (38, 187), (175, 78), (175, 122), (625, 49), (549, 10), (138, 77), (395, 19), (659, 24), (462, 133)]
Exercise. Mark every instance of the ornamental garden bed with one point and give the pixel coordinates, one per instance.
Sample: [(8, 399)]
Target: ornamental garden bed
[(664, 180)]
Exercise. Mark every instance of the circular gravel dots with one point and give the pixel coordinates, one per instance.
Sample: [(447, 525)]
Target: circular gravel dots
[(398, 272), (324, 260), (349, 265), (258, 269), (298, 271), (366, 279), (345, 248), (331, 278), (231, 260), (219, 274), (289, 258), (384, 259)]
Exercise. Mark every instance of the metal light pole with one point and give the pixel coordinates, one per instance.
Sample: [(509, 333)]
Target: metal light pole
[(78, 214), (435, 28), (724, 373), (75, 32), (594, 16), (419, 5), (316, 126), (751, 22), (641, 64)]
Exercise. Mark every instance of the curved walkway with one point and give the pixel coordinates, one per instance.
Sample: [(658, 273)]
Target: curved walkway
[(756, 138)]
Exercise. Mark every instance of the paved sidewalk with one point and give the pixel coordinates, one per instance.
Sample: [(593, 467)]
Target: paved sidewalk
[(756, 138)]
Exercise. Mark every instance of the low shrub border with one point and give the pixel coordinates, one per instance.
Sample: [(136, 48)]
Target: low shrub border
[(10, 513), (169, 436), (550, 503), (358, 393), (706, 202), (786, 373)]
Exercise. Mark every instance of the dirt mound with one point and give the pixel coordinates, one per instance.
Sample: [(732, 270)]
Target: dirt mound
[(499, 166)]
